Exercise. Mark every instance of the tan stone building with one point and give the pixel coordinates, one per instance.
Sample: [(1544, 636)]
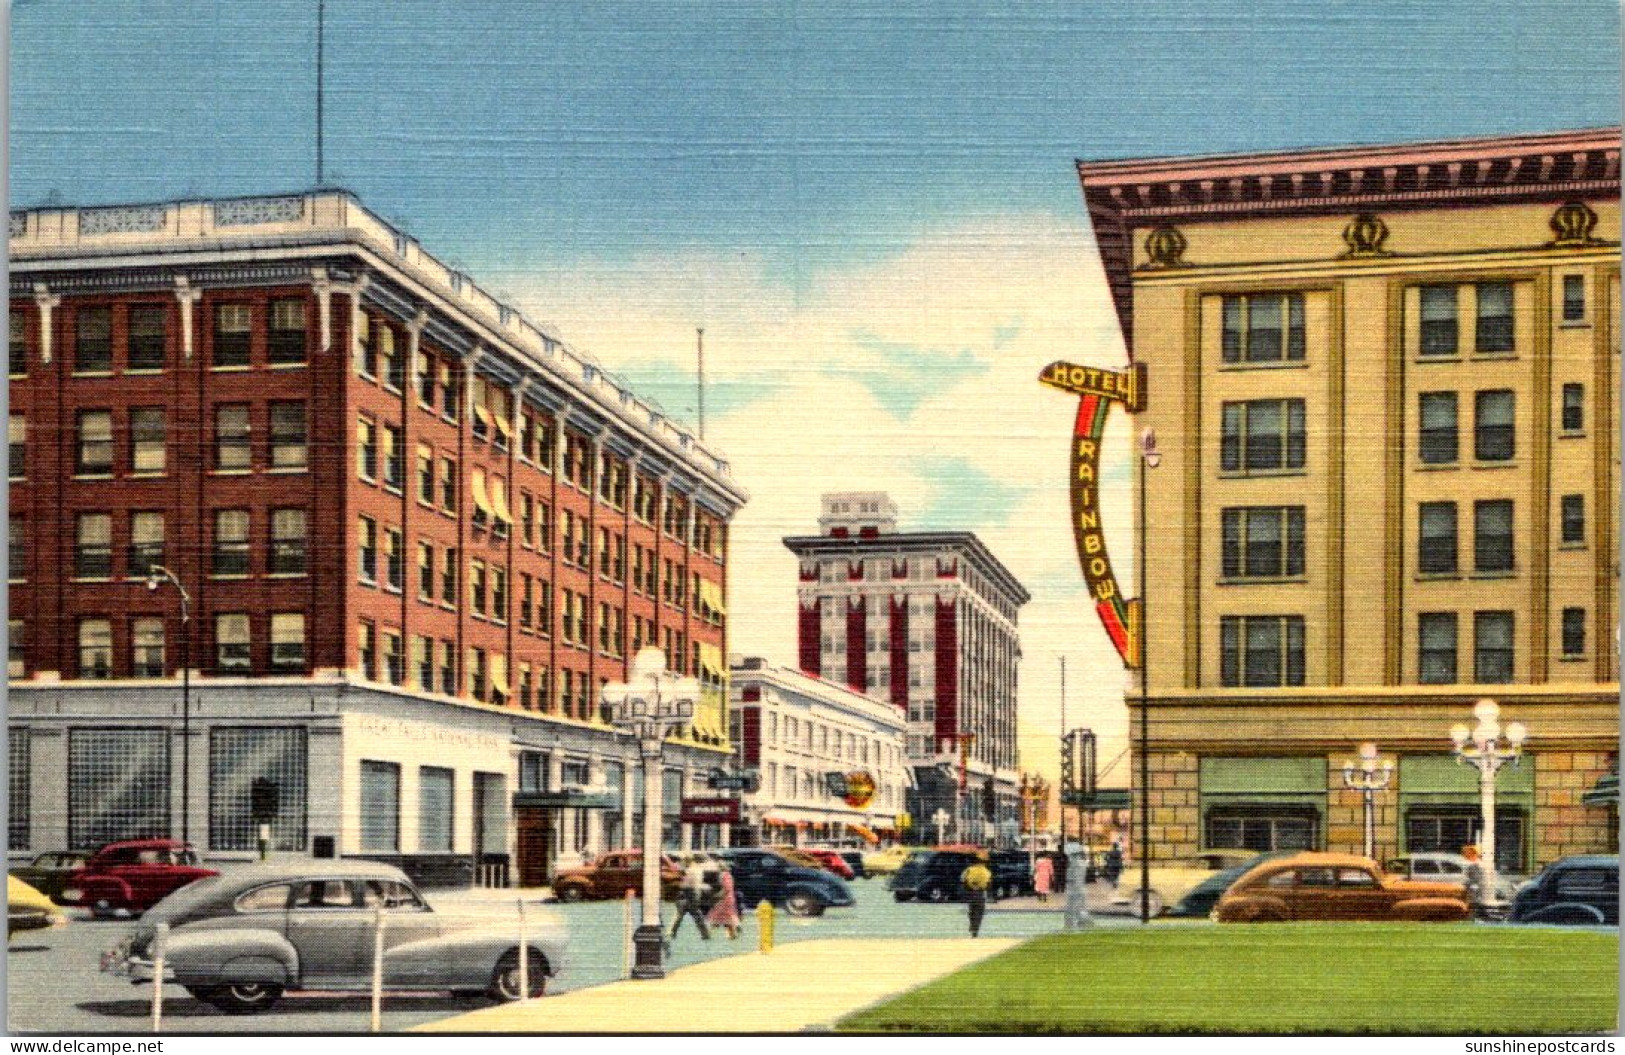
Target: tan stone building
[(1384, 383)]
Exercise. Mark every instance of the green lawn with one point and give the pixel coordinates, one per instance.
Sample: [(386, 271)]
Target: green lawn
[(1276, 978)]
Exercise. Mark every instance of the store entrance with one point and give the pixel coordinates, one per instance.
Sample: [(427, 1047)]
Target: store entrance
[(537, 844)]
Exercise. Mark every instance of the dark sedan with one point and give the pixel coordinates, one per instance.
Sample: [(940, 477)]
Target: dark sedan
[(1575, 890), (762, 875)]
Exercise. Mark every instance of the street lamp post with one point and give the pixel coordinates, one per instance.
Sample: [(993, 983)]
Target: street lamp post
[(1368, 780), (1150, 458), (157, 575), (649, 705), (1482, 748)]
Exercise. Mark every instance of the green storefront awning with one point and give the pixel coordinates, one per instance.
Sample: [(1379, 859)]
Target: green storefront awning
[(566, 800), (1605, 792), (1257, 777), (1099, 799), (1441, 777)]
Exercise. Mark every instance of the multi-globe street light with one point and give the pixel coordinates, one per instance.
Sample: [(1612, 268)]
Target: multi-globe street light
[(1482, 747), (1150, 458), (1368, 779), (650, 704), (157, 575)]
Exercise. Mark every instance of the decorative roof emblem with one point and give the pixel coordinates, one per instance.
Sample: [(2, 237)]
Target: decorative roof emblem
[(1166, 247), (1364, 236), (1572, 224)]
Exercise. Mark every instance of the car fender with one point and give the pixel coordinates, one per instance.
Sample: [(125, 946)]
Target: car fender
[(242, 954), (466, 958), (1569, 912), (93, 888), (1430, 908), (1252, 907)]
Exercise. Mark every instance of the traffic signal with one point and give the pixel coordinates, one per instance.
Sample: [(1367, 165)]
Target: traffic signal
[(990, 802), (262, 800)]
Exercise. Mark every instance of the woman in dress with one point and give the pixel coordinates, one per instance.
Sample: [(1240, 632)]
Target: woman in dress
[(725, 913), (1043, 877)]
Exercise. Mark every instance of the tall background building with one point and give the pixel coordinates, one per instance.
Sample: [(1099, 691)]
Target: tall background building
[(926, 621), (1385, 383), (418, 535)]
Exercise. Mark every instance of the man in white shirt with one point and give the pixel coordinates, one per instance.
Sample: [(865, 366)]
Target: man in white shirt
[(691, 898)]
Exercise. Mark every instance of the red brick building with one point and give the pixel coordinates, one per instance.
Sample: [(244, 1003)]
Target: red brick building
[(377, 485)]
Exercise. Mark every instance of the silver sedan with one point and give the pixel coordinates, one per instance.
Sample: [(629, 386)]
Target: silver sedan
[(239, 940)]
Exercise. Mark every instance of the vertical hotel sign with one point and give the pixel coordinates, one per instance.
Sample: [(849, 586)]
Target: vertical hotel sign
[(1097, 390)]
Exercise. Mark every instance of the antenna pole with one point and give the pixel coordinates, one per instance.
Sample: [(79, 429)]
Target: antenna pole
[(699, 337), (321, 18)]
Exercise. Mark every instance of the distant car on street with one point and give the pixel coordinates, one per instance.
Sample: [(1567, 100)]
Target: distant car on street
[(48, 872), (887, 861), (28, 909), (764, 875), (854, 861), (239, 941), (1574, 890), (127, 878), (611, 875), (1433, 866), (934, 875), (1012, 873), (830, 861), (1327, 886)]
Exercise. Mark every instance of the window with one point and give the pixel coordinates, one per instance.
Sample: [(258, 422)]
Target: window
[(17, 435), (1437, 661), (448, 392), (232, 326), (1439, 329), (93, 341), (436, 803), (425, 475), (1574, 520), (423, 661), (230, 542), (148, 441), (19, 343), (231, 644), (1574, 633), (287, 332), (289, 549), (95, 455), (1492, 647), (476, 673), (1573, 407), (16, 654), (1263, 651), (425, 571), (394, 458), (394, 657), (476, 586), (231, 438), (424, 369), (380, 805), (527, 519), (1574, 298), (395, 554), (368, 540), (1492, 536), (544, 527), (93, 546), (1263, 328), (288, 441), (1263, 541), (146, 544), (1494, 332), (367, 650), (1262, 435), (145, 344), (499, 594), (448, 485), (1263, 828), (1439, 440), (288, 643), (1493, 439), (118, 785), (17, 551), (448, 577), (448, 668), (1437, 538), (95, 649), (544, 609), (238, 756), (366, 450), (366, 352)]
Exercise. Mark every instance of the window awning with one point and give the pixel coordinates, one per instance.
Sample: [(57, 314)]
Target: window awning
[(482, 502), (711, 661), (863, 832), (499, 501), (711, 596), (499, 675)]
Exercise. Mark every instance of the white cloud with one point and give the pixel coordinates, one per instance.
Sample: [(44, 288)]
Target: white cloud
[(997, 300)]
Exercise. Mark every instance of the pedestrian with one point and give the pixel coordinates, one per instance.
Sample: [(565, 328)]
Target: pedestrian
[(1114, 863), (691, 898), (1474, 876), (976, 879), (725, 912), (1060, 871), (1043, 878)]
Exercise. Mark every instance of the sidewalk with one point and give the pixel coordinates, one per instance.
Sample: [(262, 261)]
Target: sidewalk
[(805, 986)]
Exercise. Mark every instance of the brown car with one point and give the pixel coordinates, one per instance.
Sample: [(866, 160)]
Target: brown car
[(611, 876), (1324, 886)]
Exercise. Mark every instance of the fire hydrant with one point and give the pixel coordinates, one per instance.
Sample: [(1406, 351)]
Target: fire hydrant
[(764, 925)]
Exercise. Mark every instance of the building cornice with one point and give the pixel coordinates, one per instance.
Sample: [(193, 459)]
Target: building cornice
[(913, 542), (825, 693)]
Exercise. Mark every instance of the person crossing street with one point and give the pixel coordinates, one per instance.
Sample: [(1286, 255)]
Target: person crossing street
[(691, 891), (976, 879)]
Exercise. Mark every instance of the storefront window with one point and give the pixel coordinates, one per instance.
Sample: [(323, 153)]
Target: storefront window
[(671, 806), (532, 771), (18, 786), (237, 758), (614, 784), (380, 806), (435, 804), (118, 785)]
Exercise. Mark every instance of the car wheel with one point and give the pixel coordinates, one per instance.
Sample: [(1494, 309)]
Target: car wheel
[(934, 893), (505, 979), (901, 897), (101, 908), (245, 998), (803, 904), (1155, 902), (205, 993), (572, 894)]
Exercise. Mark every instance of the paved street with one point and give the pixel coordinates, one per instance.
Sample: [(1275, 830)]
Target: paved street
[(54, 986)]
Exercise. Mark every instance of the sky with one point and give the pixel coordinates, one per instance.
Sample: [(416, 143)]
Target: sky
[(870, 208)]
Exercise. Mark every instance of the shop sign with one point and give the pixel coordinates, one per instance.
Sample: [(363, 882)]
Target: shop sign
[(860, 789), (710, 811)]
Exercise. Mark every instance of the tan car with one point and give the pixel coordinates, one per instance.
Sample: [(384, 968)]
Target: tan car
[(1324, 886)]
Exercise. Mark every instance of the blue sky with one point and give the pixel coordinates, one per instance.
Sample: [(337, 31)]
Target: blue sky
[(870, 208)]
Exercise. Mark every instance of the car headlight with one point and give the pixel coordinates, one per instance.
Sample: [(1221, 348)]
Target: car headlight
[(71, 894)]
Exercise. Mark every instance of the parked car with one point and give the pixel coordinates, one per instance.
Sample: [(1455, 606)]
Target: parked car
[(48, 872), (1199, 901), (611, 875), (1012, 874), (887, 861), (934, 875), (1447, 868), (764, 875), (854, 861), (239, 941), (1327, 886), (28, 909), (1171, 882), (830, 861), (1582, 890), (127, 878)]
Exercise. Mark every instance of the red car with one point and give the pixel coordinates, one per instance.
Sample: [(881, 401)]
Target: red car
[(126, 879), (830, 861)]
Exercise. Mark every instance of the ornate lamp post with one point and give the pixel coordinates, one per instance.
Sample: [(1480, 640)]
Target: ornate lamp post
[(1367, 779), (157, 575), (1150, 458), (649, 705), (1482, 747)]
